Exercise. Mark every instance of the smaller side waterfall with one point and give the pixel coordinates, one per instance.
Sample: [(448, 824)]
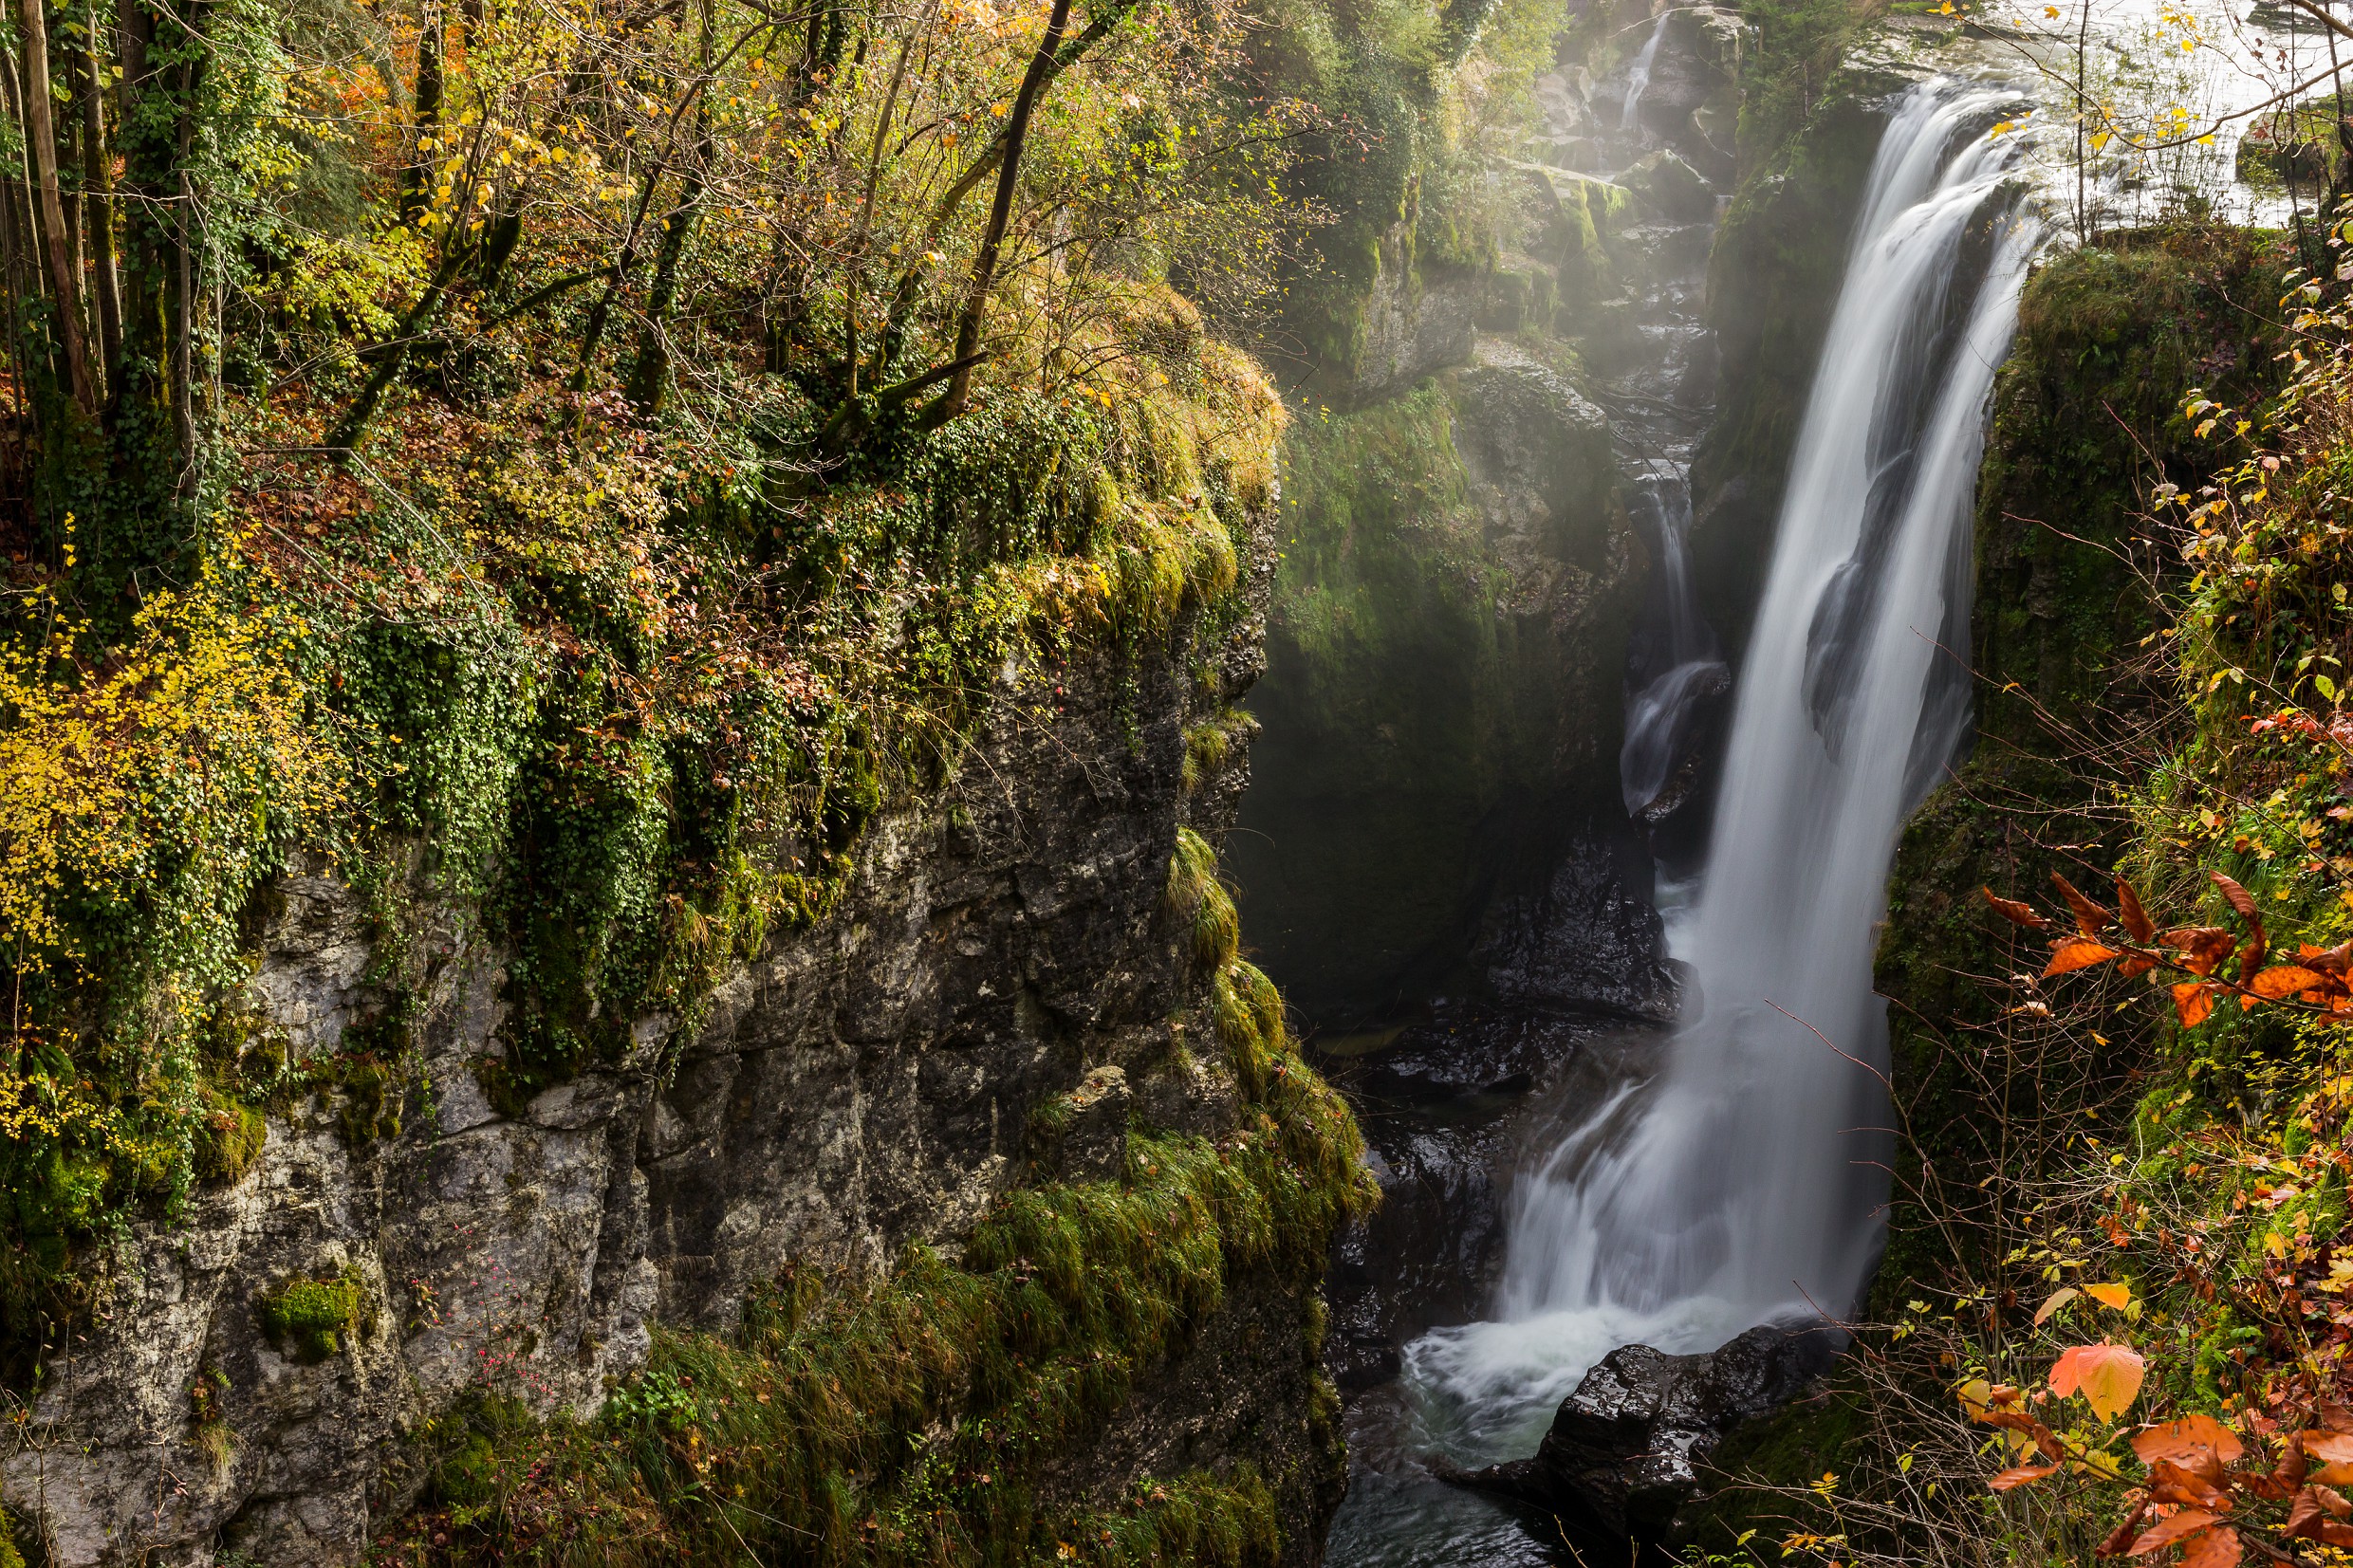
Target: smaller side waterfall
[(1676, 666), (1638, 76)]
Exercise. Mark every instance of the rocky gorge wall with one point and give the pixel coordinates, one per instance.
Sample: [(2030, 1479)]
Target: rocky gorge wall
[(1436, 808), (1012, 977)]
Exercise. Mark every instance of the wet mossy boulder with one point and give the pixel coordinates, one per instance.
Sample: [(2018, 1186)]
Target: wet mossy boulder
[(1673, 187)]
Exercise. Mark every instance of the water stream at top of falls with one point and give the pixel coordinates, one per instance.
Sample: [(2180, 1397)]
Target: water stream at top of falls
[(1638, 77), (1739, 1184)]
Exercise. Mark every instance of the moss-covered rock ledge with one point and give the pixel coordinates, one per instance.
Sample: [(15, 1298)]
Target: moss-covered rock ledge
[(969, 1206)]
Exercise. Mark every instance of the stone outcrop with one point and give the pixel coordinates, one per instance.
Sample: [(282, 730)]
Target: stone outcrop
[(866, 1083), (1630, 1449)]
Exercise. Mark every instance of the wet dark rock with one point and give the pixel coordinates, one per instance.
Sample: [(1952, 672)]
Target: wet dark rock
[(1436, 1100), (1630, 1447), (1426, 1256), (1586, 937), (1094, 1139)]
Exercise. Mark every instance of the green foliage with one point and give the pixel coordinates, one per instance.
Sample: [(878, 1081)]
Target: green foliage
[(308, 1318), (2086, 425)]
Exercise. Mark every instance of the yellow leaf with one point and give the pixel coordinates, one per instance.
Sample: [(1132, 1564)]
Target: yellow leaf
[(2058, 1299), (2099, 140), (2119, 1297)]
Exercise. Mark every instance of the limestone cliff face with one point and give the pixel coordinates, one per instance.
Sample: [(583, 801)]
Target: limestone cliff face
[(866, 1083)]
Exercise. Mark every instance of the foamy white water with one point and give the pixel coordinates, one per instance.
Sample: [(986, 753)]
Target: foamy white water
[(1743, 1185), (1638, 76)]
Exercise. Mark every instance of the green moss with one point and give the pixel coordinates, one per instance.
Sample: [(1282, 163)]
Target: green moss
[(2086, 421), (229, 1140), (1200, 902), (1419, 717), (309, 1318), (602, 749), (1763, 1466)]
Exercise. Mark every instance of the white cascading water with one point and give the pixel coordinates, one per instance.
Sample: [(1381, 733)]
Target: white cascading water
[(1682, 665), (1638, 77), (1742, 1183)]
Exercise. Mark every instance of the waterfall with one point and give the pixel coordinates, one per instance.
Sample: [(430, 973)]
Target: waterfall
[(1638, 77), (1741, 1184), (1676, 665)]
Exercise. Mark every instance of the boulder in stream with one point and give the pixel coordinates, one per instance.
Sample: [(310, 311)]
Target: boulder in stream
[(1630, 1447)]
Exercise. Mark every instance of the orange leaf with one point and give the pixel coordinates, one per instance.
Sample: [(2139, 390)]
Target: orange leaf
[(2019, 914), (2188, 1522), (2120, 1538), (2135, 966), (2240, 899), (2021, 1475), (2076, 953), (2216, 1548), (2107, 1376), (2283, 980), (2202, 947), (2194, 1000), (2190, 1437), (2334, 1450), (2136, 918), (2117, 1297), (2089, 916), (2327, 960), (2198, 1485)]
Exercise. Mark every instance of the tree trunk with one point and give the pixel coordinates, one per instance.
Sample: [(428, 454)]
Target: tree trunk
[(429, 44), (98, 184), (41, 137), (992, 240)]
